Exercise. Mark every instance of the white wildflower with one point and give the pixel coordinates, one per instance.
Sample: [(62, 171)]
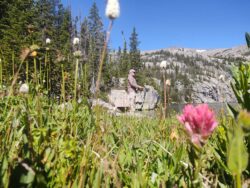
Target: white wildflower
[(168, 82), (163, 64), (24, 88), (153, 177), (113, 9), (222, 77), (48, 41), (76, 41), (77, 54)]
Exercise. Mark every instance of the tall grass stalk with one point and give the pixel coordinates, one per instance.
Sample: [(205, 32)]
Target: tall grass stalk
[(35, 71), (46, 69), (27, 72), (76, 79), (12, 86), (1, 73), (63, 85), (13, 64), (103, 58), (165, 95)]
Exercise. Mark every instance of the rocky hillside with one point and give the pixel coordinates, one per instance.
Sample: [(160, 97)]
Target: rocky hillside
[(197, 75)]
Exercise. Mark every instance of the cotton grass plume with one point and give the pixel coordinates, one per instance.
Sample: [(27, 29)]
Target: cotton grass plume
[(48, 41), (24, 89), (199, 122), (163, 65), (76, 41), (113, 9)]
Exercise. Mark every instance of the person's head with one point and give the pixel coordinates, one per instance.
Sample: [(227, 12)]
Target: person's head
[(132, 72)]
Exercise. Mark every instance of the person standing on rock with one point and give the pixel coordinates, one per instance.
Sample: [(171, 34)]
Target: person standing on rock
[(133, 87)]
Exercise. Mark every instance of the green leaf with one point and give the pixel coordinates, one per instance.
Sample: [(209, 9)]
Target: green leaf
[(27, 178), (244, 120), (232, 111), (237, 152)]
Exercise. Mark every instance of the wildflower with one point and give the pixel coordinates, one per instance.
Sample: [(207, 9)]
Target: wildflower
[(24, 89), (174, 135), (163, 64), (34, 47), (168, 82), (48, 41), (222, 78), (76, 41), (113, 9), (33, 54), (153, 177), (199, 122), (77, 54)]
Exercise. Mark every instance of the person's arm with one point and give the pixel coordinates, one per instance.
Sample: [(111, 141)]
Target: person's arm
[(133, 83)]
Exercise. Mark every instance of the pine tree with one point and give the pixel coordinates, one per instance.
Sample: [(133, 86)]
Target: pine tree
[(95, 26), (134, 50), (125, 65), (15, 18), (65, 32), (85, 37), (45, 20)]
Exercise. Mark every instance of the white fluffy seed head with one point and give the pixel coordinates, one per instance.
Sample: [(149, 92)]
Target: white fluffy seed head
[(168, 82), (24, 88), (76, 41), (163, 65), (222, 77), (48, 41), (112, 9)]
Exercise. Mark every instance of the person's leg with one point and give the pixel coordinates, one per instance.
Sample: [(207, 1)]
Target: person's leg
[(132, 101)]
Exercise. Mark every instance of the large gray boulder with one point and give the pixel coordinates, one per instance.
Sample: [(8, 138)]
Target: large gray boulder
[(147, 99)]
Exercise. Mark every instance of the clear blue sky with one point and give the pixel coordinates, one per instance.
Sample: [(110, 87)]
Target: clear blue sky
[(199, 24)]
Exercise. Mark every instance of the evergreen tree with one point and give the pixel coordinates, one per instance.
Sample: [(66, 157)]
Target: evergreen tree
[(85, 37), (125, 65), (46, 19), (134, 50), (95, 26), (14, 20)]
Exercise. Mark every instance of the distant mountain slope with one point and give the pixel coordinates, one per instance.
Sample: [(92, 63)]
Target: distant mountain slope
[(195, 73)]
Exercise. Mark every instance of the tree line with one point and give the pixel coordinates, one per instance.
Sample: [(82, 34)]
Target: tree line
[(31, 22)]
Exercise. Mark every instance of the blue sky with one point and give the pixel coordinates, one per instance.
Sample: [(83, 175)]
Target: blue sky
[(202, 24)]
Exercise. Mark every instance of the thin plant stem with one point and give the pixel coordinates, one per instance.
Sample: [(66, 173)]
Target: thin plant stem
[(1, 73), (12, 85), (27, 72), (76, 77), (13, 64), (165, 95), (63, 85), (46, 69), (35, 73), (102, 58)]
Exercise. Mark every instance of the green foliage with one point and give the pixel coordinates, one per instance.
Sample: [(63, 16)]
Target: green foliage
[(241, 84), (134, 52), (237, 152), (248, 39)]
